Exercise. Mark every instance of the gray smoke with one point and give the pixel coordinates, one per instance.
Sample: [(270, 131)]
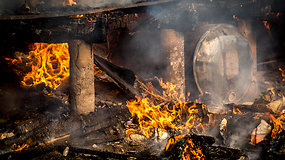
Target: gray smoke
[(103, 3)]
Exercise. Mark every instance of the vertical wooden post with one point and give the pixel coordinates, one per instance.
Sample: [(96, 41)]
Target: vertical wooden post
[(82, 90), (172, 46)]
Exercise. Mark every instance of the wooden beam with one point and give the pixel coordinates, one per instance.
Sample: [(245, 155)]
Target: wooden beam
[(82, 90)]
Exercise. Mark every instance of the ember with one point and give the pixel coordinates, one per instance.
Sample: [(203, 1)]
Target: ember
[(69, 3), (266, 25), (282, 73)]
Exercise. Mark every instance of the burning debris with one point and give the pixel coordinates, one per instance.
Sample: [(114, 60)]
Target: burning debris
[(92, 96), (161, 118)]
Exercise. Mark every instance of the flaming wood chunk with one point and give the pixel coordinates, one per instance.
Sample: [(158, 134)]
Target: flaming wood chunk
[(200, 147), (82, 91)]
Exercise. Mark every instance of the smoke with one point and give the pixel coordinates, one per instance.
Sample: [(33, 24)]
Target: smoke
[(103, 3), (9, 7)]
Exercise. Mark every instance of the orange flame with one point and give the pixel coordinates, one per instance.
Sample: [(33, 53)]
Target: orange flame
[(236, 111), (18, 148), (235, 17), (278, 127), (172, 141), (191, 151), (152, 114), (49, 64), (266, 25), (69, 2), (283, 73)]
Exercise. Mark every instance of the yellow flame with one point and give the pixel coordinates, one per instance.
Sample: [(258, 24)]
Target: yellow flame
[(49, 64), (172, 141), (191, 151), (69, 3), (278, 127), (236, 111), (152, 114)]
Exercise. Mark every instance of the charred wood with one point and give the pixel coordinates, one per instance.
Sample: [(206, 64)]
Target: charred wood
[(124, 78)]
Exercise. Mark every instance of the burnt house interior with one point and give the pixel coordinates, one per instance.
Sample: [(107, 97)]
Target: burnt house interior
[(142, 79)]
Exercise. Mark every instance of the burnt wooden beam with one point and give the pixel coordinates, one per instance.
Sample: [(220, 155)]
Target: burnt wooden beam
[(80, 10), (82, 90), (123, 78), (51, 30)]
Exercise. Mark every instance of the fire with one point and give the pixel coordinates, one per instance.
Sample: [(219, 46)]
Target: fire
[(69, 2), (235, 17), (283, 73), (191, 151), (154, 114), (172, 141), (77, 16), (278, 127), (188, 149), (266, 25), (49, 64), (18, 148), (97, 71), (236, 111)]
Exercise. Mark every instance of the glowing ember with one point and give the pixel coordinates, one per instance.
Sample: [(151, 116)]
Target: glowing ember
[(18, 148), (69, 2), (49, 64), (235, 17), (97, 71), (152, 114), (77, 16), (283, 73), (236, 111), (266, 25)]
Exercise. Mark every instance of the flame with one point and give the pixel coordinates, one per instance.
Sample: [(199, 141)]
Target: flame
[(18, 148), (236, 111), (152, 113), (278, 127), (266, 25), (235, 17), (49, 64), (77, 16), (282, 73), (172, 141), (97, 71), (14, 61), (69, 3), (191, 151)]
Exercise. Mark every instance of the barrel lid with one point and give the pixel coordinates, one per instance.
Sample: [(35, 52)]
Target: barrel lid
[(222, 64)]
